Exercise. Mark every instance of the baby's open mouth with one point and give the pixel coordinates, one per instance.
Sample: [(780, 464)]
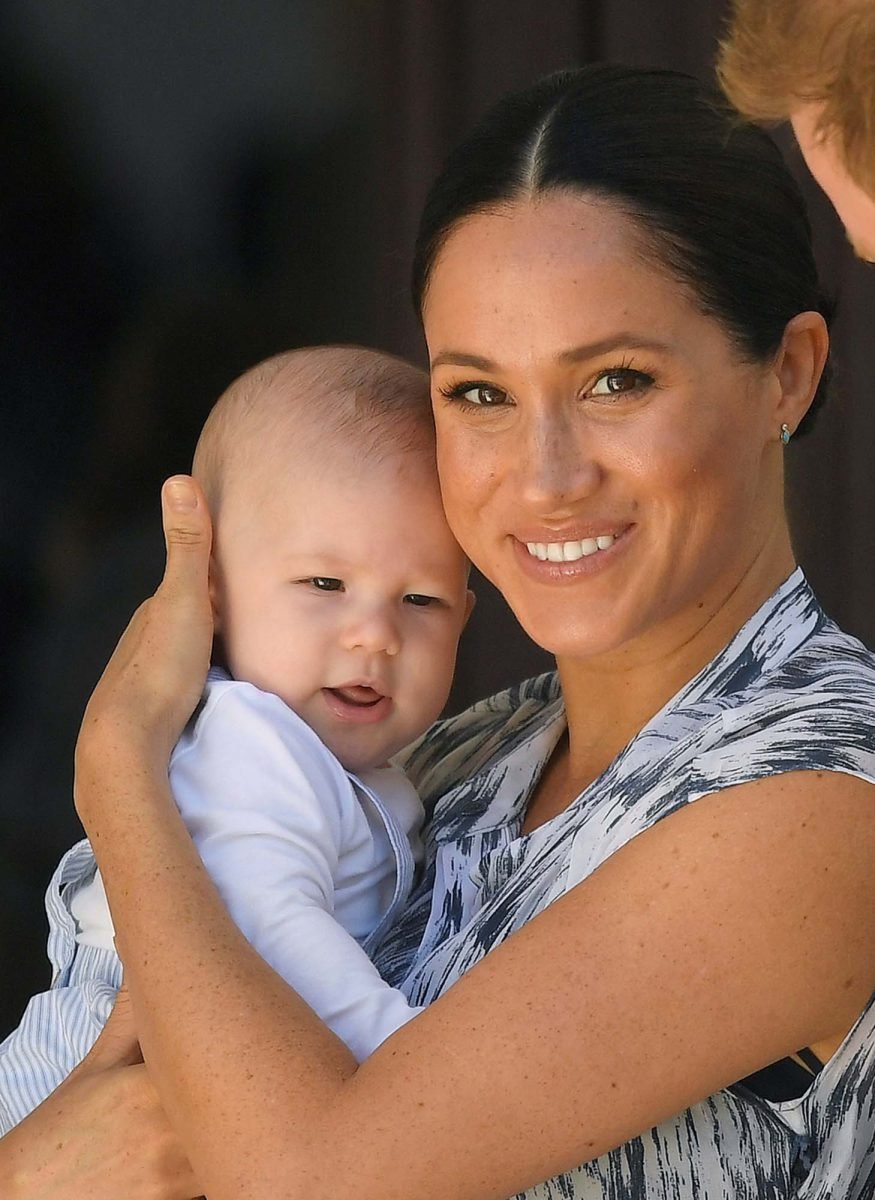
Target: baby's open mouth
[(357, 703), (363, 697)]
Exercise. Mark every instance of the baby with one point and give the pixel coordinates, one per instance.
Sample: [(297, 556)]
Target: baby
[(339, 596)]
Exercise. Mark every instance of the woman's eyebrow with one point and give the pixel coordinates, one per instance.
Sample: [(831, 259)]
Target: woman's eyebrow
[(619, 341), (457, 358), (624, 341)]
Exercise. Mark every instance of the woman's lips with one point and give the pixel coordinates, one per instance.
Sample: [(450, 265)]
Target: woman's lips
[(555, 560), (357, 704), (571, 550)]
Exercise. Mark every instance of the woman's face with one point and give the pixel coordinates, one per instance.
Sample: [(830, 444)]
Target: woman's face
[(607, 458)]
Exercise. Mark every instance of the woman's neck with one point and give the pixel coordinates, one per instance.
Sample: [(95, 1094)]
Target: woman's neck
[(609, 700)]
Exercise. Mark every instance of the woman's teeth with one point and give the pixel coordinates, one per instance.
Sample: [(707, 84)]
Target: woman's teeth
[(569, 551)]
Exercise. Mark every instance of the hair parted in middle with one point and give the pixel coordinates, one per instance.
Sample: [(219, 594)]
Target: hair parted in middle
[(709, 194)]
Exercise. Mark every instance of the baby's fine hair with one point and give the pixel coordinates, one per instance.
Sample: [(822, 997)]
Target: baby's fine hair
[(314, 402)]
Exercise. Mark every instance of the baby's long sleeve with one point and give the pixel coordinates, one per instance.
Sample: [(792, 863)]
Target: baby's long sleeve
[(280, 829)]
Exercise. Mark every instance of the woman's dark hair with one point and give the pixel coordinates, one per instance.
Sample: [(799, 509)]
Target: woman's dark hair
[(710, 193)]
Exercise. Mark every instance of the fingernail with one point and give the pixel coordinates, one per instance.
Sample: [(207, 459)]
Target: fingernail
[(180, 495)]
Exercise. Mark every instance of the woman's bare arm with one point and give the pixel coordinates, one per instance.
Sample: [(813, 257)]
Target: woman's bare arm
[(103, 1132), (721, 939)]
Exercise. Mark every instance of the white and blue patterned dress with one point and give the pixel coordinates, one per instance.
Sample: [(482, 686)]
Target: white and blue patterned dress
[(790, 692)]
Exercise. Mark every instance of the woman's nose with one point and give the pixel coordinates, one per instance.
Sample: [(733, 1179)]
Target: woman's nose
[(374, 630), (557, 466)]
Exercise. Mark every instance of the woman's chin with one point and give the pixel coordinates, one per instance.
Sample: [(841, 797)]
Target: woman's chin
[(573, 638)]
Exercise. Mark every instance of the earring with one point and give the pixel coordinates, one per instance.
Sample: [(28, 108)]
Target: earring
[(785, 434)]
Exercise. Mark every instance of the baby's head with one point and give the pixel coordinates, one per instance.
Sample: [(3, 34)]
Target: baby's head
[(336, 582)]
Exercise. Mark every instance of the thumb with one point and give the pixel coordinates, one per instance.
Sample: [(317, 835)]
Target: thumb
[(117, 1044), (187, 534)]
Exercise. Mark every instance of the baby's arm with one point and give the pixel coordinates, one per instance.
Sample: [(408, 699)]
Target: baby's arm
[(269, 810), (59, 1027)]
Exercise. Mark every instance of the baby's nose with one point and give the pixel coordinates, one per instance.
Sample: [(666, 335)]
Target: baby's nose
[(374, 631)]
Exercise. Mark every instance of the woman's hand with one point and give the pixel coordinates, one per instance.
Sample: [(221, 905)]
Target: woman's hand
[(102, 1134), (155, 676)]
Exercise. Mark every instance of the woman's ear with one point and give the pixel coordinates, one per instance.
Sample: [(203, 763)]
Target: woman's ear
[(470, 601), (798, 367)]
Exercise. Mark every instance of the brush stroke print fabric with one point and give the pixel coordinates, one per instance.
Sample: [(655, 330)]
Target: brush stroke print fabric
[(790, 692)]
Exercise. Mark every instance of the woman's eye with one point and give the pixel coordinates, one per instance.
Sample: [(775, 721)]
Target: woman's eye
[(324, 583), (482, 395), (419, 600), (620, 381)]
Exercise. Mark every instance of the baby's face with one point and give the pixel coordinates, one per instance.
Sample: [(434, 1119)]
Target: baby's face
[(344, 593)]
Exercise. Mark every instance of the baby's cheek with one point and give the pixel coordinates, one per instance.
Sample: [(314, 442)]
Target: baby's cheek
[(437, 676)]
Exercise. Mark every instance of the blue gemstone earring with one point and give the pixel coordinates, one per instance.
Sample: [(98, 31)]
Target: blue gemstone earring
[(786, 434)]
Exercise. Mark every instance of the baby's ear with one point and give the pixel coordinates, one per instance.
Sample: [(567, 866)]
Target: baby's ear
[(218, 657), (215, 591)]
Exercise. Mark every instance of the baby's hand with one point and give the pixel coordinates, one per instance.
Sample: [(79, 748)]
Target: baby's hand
[(156, 674)]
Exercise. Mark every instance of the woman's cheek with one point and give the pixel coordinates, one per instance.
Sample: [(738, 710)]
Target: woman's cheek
[(466, 477)]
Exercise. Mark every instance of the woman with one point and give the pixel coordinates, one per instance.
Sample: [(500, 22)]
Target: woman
[(668, 848)]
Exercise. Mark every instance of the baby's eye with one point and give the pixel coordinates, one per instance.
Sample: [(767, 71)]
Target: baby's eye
[(420, 601), (324, 583), (620, 381), (481, 395)]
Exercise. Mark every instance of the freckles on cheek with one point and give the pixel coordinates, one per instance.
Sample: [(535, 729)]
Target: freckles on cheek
[(682, 455), (462, 495), (462, 473)]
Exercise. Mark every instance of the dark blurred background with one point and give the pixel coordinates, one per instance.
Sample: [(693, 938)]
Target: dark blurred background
[(188, 187)]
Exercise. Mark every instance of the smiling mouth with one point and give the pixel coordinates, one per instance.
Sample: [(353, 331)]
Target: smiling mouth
[(570, 551)]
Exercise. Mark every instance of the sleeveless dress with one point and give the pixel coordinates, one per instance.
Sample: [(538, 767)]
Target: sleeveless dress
[(790, 692)]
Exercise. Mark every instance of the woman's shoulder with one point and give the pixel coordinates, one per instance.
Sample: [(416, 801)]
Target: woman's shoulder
[(814, 710), (833, 657), (458, 746), (788, 661), (830, 672)]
